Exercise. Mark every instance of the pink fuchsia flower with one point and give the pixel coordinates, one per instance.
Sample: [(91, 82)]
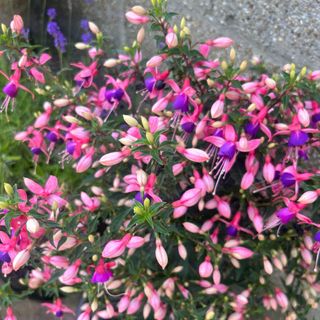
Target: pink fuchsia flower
[(50, 192), (86, 75), (57, 308), (115, 248), (102, 272), (90, 204), (10, 315), (69, 277), (11, 89)]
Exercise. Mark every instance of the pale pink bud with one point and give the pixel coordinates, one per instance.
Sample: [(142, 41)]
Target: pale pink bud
[(189, 198), (115, 248), (309, 197), (281, 299), (135, 304), (306, 255), (108, 313), (93, 27), (140, 35), (222, 42), (308, 242), (268, 170), (146, 310), (171, 39), (16, 24), (179, 212), (142, 177), (250, 87), (84, 112), (191, 227), (178, 168), (193, 154), (155, 61), (224, 208), (123, 303), (32, 225), (217, 107), (315, 75), (206, 268), (216, 275), (134, 18), (304, 117), (239, 252), (84, 163), (63, 102), (161, 254), (267, 266), (113, 158), (270, 83), (136, 242), (182, 251), (42, 120), (247, 180), (277, 263), (20, 259)]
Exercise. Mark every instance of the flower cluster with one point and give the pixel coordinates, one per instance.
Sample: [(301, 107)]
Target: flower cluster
[(55, 32), (200, 175)]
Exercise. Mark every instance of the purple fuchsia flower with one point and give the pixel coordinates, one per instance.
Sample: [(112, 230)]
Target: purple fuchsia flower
[(57, 308), (52, 13), (102, 272)]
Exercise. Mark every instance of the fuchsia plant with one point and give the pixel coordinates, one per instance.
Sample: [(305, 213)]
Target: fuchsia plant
[(188, 163)]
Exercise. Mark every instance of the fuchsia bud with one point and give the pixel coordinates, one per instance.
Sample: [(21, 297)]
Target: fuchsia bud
[(206, 268), (281, 299), (16, 24), (222, 42), (309, 197), (188, 199), (267, 266), (191, 227), (171, 39), (182, 251), (304, 117), (134, 18), (155, 61), (135, 304), (10, 315), (21, 259), (161, 254), (268, 170), (217, 107), (238, 252), (115, 248), (193, 154), (124, 303), (113, 158)]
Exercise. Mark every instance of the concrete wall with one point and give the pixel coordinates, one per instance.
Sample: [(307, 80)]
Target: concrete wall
[(280, 31)]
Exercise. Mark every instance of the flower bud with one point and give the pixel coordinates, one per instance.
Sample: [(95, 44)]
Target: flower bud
[(140, 35), (82, 46), (93, 27), (110, 63), (243, 65), (8, 189), (139, 10), (130, 121), (33, 225)]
